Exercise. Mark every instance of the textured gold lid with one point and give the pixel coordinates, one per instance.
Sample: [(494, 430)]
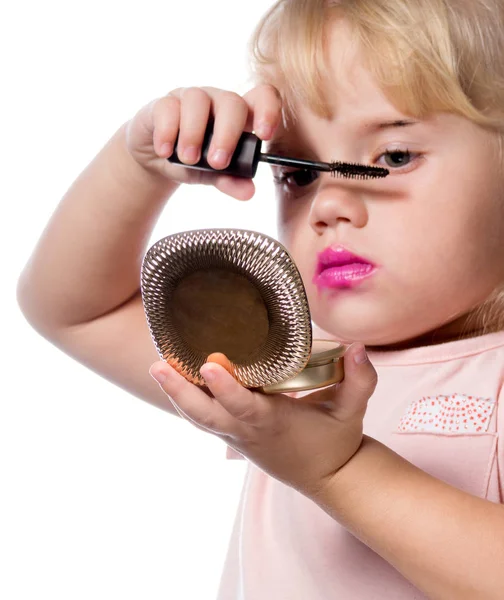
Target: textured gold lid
[(324, 368), (239, 293)]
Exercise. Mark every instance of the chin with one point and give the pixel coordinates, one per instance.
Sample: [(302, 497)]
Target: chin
[(346, 335), (367, 330)]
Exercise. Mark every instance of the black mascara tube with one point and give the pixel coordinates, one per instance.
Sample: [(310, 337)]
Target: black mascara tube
[(243, 162), (248, 154)]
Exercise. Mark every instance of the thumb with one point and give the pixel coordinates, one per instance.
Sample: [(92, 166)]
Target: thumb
[(358, 384)]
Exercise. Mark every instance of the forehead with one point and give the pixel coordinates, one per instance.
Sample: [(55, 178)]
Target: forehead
[(349, 90), (346, 81)]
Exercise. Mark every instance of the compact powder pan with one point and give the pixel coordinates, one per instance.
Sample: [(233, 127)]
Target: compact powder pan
[(239, 293)]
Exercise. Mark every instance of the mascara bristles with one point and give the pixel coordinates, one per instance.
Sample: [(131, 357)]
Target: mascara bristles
[(356, 171), (350, 170)]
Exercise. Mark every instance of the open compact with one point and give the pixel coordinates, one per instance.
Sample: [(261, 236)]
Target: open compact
[(238, 293)]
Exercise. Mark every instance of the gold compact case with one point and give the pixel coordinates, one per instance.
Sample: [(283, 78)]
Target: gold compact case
[(238, 293)]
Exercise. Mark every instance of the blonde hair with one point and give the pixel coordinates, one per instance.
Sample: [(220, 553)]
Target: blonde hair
[(427, 56)]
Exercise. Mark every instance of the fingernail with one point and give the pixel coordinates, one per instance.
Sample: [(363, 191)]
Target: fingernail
[(264, 130), (159, 376), (360, 356), (220, 157), (166, 149), (191, 154), (209, 375)]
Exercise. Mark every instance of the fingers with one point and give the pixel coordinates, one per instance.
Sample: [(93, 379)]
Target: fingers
[(265, 105), (230, 412), (231, 113), (166, 121), (190, 110), (191, 402), (241, 403), (181, 118), (195, 106), (185, 113), (237, 187), (349, 398)]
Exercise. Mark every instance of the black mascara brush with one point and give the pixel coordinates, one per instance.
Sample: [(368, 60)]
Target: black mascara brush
[(248, 155)]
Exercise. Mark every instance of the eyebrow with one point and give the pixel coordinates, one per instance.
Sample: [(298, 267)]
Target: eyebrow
[(394, 123), (284, 146)]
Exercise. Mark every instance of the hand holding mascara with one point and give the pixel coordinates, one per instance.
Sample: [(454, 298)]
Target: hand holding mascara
[(247, 156)]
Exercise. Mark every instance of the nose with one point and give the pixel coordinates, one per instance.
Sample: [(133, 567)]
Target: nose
[(337, 202)]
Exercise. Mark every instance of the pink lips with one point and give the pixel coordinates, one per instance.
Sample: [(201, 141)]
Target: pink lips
[(337, 268)]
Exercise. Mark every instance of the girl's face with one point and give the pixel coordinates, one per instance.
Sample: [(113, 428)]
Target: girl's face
[(433, 228)]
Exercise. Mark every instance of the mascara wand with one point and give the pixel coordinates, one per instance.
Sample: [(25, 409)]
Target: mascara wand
[(248, 154)]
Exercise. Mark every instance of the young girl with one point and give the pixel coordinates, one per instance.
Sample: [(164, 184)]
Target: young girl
[(389, 485)]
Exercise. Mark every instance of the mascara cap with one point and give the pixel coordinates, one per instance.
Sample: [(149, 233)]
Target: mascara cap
[(243, 162), (240, 293)]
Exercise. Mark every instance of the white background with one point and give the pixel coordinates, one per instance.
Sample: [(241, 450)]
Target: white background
[(102, 495)]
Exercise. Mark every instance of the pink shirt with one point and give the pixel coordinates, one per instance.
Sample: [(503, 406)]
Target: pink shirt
[(439, 407)]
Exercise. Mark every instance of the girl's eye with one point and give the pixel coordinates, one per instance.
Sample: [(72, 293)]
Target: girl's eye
[(397, 158), (299, 178)]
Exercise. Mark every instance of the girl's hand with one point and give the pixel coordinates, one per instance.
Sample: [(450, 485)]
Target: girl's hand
[(152, 133), (301, 442)]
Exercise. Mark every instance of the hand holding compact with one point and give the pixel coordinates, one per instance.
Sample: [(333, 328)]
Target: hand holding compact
[(302, 442)]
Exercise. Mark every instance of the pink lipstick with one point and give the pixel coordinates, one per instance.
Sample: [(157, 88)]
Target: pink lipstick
[(339, 268)]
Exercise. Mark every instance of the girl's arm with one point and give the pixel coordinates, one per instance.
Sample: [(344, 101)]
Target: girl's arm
[(448, 543), (87, 261), (80, 288)]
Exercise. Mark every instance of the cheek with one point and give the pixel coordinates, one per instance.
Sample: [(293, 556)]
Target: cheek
[(299, 245), (468, 232), (292, 220)]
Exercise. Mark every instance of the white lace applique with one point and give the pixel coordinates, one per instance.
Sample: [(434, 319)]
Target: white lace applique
[(457, 413)]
